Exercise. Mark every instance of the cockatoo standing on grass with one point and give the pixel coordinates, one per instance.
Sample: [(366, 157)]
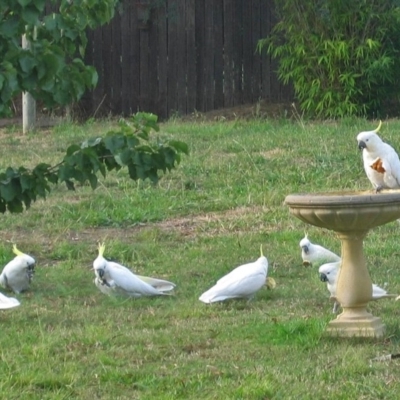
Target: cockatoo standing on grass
[(113, 278), (381, 162), (18, 273), (314, 254), (329, 273), (244, 281), (8, 302)]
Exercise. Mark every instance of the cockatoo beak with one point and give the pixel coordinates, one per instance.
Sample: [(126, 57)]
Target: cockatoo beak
[(305, 249), (323, 277), (362, 145)]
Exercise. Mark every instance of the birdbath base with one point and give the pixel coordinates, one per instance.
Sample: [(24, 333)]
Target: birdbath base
[(358, 324)]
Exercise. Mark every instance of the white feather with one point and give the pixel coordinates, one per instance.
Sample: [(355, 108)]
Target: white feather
[(331, 272), (244, 281), (18, 273), (315, 254), (117, 279), (8, 302)]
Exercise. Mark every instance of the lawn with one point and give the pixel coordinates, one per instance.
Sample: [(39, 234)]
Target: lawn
[(69, 341)]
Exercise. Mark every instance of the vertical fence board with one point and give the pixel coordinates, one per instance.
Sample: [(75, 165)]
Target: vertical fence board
[(209, 51), (248, 52), (116, 81), (162, 62), (200, 43), (228, 53), (172, 57), (218, 55), (237, 54), (190, 90), (256, 82), (181, 55), (126, 85)]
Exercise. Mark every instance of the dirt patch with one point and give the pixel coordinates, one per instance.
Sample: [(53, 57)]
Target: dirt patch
[(241, 219), (261, 109)]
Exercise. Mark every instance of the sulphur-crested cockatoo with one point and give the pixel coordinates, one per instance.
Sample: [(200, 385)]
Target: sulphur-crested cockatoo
[(243, 281), (8, 302), (381, 162), (18, 273), (329, 273), (113, 278), (314, 254)]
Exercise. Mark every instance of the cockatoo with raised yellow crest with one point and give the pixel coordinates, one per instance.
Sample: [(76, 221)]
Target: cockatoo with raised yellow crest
[(314, 254), (18, 273), (381, 162), (329, 273), (113, 278), (242, 282)]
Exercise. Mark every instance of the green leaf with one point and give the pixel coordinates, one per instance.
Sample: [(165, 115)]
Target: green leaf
[(30, 15), (15, 206), (27, 63), (114, 142), (8, 191), (24, 3), (72, 149), (179, 146), (91, 142), (39, 4)]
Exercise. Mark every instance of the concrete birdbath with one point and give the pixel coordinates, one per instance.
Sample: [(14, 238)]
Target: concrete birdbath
[(351, 215)]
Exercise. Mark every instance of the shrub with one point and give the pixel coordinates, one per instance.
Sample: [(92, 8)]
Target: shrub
[(341, 56)]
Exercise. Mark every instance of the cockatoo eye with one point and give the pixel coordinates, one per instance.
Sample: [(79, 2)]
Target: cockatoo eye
[(100, 272)]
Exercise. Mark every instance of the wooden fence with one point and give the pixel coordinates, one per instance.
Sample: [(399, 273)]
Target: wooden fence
[(177, 56)]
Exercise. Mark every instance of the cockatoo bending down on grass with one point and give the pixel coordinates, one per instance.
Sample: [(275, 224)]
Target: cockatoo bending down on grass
[(381, 162), (314, 254), (8, 302), (113, 278), (243, 281), (329, 273), (18, 273)]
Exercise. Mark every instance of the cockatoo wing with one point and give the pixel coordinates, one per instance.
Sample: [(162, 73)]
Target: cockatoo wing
[(379, 293), (129, 283), (159, 284), (391, 165), (8, 302)]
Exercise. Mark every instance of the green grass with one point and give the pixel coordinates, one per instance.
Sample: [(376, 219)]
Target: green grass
[(69, 341)]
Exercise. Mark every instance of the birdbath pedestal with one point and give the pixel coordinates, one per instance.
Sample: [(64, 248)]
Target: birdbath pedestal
[(351, 215)]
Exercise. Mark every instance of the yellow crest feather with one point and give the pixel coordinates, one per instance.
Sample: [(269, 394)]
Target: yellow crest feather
[(379, 126), (16, 251), (262, 255), (102, 247)]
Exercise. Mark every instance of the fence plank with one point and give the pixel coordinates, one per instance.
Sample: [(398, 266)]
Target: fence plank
[(228, 53), (218, 55), (191, 56), (161, 108)]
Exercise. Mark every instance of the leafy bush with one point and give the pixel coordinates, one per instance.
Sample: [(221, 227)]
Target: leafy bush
[(341, 56)]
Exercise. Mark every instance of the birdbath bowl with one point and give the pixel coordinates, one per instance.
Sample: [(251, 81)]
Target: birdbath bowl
[(351, 215)]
